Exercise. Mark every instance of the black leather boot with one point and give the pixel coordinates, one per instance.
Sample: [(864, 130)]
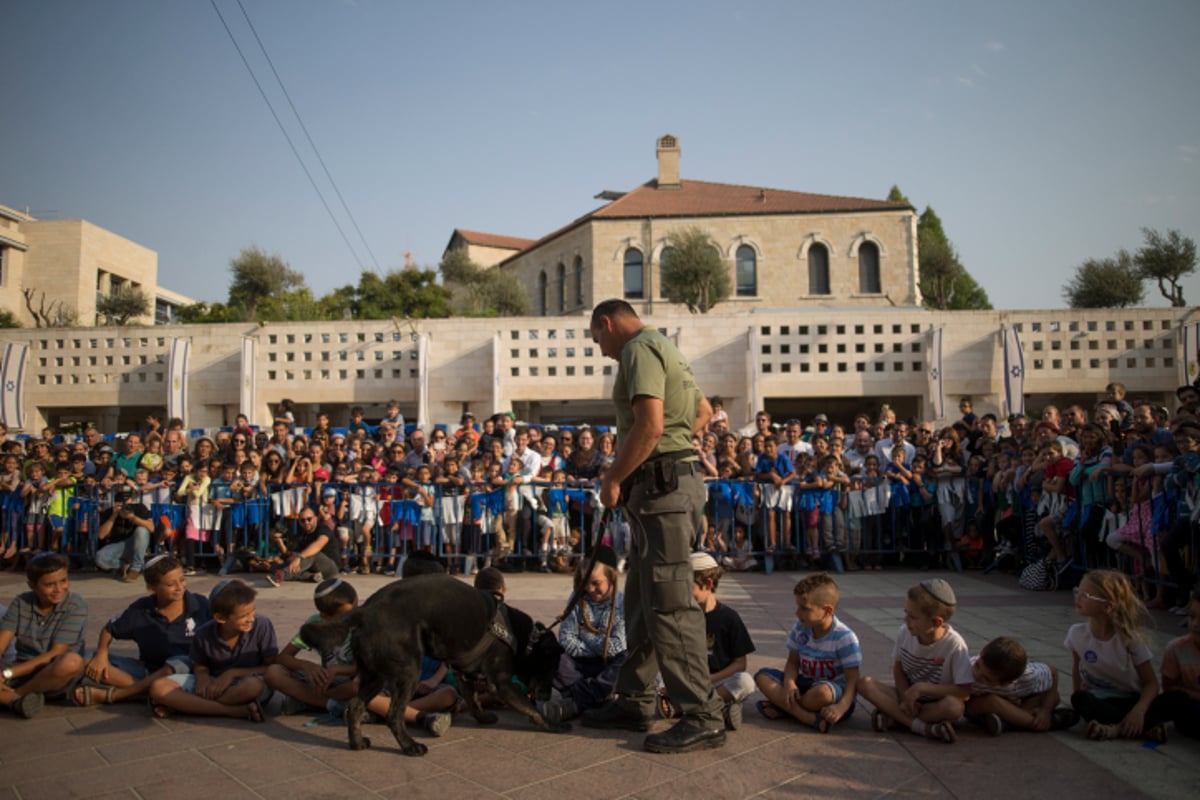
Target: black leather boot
[(685, 736)]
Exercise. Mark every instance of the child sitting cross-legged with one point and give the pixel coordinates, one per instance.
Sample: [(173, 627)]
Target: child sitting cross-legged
[(819, 683), (333, 682), (229, 654), (1010, 691), (930, 666)]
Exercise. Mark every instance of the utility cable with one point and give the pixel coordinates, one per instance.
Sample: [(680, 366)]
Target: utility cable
[(283, 130), (311, 143)]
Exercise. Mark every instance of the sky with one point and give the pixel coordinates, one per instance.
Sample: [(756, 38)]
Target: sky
[(1043, 133)]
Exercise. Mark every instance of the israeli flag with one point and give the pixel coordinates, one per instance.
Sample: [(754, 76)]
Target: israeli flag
[(937, 394), (1014, 372), (1191, 353), (177, 392), (248, 400), (12, 385), (423, 384)]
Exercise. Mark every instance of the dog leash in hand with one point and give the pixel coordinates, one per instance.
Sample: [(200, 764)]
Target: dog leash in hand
[(605, 519)]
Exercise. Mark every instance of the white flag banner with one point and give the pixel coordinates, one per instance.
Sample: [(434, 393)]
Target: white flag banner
[(423, 384), (1191, 353), (937, 393), (248, 400), (177, 393), (497, 402), (1014, 372), (12, 385), (754, 400)]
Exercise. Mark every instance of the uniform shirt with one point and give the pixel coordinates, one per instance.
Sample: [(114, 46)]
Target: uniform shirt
[(252, 649), (1181, 663), (36, 633), (650, 365), (1107, 668), (944, 661), (157, 637), (826, 658), (727, 637), (1036, 679)]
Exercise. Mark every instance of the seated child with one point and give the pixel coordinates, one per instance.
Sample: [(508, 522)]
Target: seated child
[(1012, 692), (930, 666), (593, 636), (229, 654), (333, 682), (728, 644), (1181, 675), (162, 624), (46, 624), (819, 683)]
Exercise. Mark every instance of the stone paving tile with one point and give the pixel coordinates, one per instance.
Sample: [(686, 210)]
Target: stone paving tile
[(377, 768), (33, 769), (262, 761), (320, 786), (184, 787), (177, 740), (612, 778), (489, 763), (87, 783), (448, 785)]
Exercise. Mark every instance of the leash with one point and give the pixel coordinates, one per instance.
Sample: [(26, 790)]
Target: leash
[(605, 519)]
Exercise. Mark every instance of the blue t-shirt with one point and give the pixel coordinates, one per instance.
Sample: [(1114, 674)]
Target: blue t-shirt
[(252, 649), (157, 637), (826, 658)]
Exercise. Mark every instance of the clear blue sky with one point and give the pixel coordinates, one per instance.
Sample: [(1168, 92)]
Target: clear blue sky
[(1043, 133)]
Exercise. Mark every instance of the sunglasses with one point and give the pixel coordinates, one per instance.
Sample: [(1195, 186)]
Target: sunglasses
[(308, 519)]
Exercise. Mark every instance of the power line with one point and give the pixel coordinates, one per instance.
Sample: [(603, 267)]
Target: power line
[(311, 143), (283, 130)]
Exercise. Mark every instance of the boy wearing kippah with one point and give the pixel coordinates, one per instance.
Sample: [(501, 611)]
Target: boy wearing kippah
[(930, 666)]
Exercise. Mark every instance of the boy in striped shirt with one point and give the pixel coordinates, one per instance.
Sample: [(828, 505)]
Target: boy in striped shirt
[(1010, 691), (819, 683), (930, 666)]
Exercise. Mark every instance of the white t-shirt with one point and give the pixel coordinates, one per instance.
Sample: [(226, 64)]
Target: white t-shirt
[(1107, 668), (944, 661)]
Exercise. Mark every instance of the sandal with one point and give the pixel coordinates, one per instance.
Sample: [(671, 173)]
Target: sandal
[(1099, 732), (1157, 734), (161, 711), (254, 712), (769, 710), (823, 725), (86, 695)]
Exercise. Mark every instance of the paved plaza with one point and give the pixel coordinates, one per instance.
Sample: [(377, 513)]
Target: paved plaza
[(123, 752)]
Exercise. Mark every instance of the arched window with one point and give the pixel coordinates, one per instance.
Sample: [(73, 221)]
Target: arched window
[(818, 269), (662, 259), (561, 288), (868, 269), (543, 294), (747, 271), (578, 280), (634, 275)]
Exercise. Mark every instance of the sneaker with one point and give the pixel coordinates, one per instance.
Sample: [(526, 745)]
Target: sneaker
[(130, 576), (880, 721), (733, 716), (1063, 718), (944, 731), (992, 724), (437, 723), (275, 578), (556, 712)]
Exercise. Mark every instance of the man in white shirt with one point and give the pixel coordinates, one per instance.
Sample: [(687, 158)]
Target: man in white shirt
[(792, 444), (883, 448), (530, 464), (862, 447)]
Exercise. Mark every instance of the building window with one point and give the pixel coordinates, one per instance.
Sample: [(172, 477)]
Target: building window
[(868, 269), (818, 269), (578, 281), (634, 275), (562, 288), (543, 294), (747, 272), (663, 256)]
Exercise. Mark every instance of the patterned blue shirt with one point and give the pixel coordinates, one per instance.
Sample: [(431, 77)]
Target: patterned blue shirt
[(826, 658)]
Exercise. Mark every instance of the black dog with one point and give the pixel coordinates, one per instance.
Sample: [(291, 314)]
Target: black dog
[(443, 618)]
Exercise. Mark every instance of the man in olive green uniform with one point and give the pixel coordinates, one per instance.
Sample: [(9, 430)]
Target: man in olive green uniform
[(658, 406)]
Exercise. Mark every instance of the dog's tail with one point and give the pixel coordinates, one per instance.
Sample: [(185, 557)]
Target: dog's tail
[(328, 635)]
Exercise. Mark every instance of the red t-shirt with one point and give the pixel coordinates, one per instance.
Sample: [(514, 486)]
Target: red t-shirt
[(1061, 469)]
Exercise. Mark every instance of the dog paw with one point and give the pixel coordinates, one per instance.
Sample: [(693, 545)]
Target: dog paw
[(362, 744), (487, 717), (414, 749)]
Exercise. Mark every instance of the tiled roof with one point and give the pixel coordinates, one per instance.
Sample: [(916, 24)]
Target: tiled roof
[(700, 199), (494, 240), (704, 199)]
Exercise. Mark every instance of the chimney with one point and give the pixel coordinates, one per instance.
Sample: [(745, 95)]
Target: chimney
[(667, 151)]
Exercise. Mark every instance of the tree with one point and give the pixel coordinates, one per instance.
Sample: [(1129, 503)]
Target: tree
[(479, 292), (53, 314), (258, 274), (897, 196), (400, 293), (123, 305), (8, 319), (945, 283), (297, 305), (693, 272), (203, 312), (1165, 260), (1105, 283)]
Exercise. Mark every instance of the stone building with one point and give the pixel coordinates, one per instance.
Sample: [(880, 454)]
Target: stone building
[(783, 248)]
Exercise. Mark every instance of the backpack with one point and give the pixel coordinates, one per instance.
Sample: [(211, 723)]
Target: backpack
[(1039, 576)]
